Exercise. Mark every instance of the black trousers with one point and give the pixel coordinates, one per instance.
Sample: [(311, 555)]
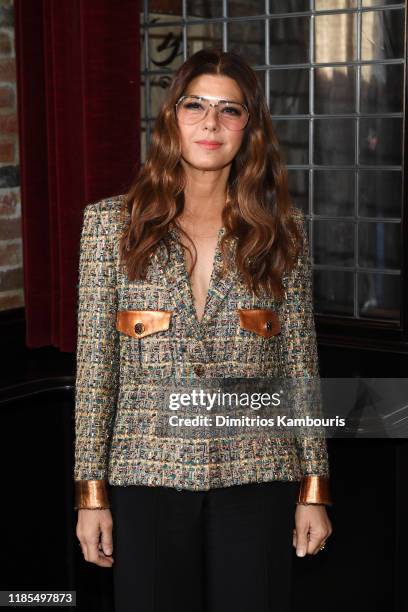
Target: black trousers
[(222, 550)]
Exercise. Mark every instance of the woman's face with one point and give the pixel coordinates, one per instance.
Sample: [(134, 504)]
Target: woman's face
[(210, 127)]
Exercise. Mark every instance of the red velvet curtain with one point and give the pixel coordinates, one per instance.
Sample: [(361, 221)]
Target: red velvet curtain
[(78, 85)]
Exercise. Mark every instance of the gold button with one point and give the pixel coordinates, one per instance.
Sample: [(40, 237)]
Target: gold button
[(199, 369), (268, 325), (139, 328)]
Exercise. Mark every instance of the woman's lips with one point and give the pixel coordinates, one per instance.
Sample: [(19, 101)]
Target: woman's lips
[(209, 145)]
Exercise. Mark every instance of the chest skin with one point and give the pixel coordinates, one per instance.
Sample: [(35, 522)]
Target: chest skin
[(202, 272)]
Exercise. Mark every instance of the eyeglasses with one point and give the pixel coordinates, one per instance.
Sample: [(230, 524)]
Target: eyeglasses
[(191, 109)]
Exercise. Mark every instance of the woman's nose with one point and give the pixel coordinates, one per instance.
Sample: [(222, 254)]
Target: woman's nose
[(211, 117)]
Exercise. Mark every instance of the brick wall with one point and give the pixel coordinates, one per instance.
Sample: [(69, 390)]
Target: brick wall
[(11, 272)]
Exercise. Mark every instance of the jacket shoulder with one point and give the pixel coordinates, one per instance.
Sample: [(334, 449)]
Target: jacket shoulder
[(298, 215), (302, 259), (110, 211)]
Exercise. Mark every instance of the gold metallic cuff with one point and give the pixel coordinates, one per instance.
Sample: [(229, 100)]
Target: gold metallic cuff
[(314, 490), (91, 494)]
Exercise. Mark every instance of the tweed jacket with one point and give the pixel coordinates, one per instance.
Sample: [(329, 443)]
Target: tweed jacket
[(132, 334)]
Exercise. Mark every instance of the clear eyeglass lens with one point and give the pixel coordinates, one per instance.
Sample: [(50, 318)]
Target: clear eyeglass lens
[(192, 110)]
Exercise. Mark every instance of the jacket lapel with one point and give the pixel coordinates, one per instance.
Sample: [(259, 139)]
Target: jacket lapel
[(174, 275), (219, 286), (178, 282)]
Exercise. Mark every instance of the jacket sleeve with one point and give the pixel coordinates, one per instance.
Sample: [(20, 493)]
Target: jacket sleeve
[(301, 361), (97, 366)]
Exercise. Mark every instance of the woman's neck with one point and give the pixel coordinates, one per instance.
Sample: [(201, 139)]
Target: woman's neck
[(205, 195)]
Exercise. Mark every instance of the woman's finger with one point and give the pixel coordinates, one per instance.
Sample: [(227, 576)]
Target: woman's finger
[(106, 540), (318, 535), (302, 539)]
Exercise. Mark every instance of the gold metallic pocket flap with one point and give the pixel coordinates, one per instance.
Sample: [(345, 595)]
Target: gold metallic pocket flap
[(140, 323), (261, 321)]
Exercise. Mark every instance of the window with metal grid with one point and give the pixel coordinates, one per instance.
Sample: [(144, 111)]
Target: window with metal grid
[(333, 73)]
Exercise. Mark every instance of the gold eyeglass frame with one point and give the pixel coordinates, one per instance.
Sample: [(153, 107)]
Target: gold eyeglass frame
[(214, 105)]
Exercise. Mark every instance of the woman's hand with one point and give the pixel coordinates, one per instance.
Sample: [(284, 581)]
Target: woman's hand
[(94, 532), (313, 527)]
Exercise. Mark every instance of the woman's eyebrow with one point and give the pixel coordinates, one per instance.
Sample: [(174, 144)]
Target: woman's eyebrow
[(215, 98)]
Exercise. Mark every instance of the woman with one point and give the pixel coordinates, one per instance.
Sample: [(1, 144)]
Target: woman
[(196, 521)]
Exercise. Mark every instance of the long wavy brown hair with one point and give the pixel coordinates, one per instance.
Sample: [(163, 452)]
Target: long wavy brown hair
[(258, 211)]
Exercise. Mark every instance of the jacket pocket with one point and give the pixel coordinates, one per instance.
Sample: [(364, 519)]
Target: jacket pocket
[(149, 341), (258, 341), (141, 323), (262, 321)]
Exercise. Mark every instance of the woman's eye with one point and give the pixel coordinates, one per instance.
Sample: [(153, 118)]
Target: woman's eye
[(193, 106), (228, 110)]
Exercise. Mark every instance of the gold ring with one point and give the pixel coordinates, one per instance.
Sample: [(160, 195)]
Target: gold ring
[(322, 545)]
